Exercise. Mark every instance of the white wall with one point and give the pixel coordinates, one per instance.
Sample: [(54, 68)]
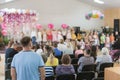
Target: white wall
[(71, 12)]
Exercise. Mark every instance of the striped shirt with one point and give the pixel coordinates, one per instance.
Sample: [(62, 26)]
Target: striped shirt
[(49, 71)]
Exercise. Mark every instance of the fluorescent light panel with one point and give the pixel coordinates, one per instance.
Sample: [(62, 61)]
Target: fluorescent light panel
[(5, 1), (99, 1)]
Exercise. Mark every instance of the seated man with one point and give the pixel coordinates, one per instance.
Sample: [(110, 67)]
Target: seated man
[(86, 59)]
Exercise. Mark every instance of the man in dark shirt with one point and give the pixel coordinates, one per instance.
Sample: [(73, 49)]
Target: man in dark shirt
[(10, 52)]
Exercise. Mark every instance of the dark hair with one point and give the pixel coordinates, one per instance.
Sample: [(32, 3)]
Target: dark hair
[(78, 46), (55, 45), (88, 51), (66, 59), (25, 41)]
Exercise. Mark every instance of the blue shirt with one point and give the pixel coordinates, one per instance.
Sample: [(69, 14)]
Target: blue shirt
[(57, 52), (27, 65)]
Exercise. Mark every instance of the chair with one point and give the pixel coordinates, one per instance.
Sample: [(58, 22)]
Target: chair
[(74, 60), (8, 65), (89, 67), (75, 67), (72, 56), (9, 60), (80, 55), (54, 67), (66, 77), (99, 78), (59, 57), (85, 75), (49, 78), (105, 65), (101, 74), (7, 74)]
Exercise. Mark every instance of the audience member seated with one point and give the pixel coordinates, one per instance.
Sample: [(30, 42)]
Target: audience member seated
[(62, 46), (65, 67), (10, 52), (86, 59), (57, 52), (52, 60), (38, 50), (78, 51), (48, 69), (116, 45), (104, 57), (69, 48), (94, 52)]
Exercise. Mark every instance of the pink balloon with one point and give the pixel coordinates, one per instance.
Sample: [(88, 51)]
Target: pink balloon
[(38, 26), (4, 32), (64, 26), (51, 26)]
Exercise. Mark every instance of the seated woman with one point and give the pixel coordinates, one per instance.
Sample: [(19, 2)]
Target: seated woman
[(105, 57), (86, 59), (52, 60), (65, 67), (78, 51)]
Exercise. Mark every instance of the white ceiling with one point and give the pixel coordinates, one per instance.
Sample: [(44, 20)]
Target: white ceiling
[(108, 3)]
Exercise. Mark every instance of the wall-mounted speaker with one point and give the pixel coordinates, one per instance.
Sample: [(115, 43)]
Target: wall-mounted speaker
[(117, 25)]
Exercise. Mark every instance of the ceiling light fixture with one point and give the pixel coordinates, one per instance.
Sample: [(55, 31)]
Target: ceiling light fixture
[(5, 1), (99, 1)]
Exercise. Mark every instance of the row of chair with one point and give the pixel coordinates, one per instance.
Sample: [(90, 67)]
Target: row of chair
[(89, 75), (81, 76)]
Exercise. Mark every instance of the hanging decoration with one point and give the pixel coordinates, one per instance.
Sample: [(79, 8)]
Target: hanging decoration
[(94, 14), (14, 21)]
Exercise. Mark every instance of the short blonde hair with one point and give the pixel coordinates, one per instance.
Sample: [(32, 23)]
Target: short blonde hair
[(105, 51)]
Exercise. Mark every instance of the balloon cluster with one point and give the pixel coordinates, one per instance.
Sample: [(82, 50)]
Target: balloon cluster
[(94, 14)]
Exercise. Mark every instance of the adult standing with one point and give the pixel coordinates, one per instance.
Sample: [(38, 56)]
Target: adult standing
[(26, 65)]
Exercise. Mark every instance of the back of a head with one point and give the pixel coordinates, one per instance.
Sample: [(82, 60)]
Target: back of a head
[(55, 45), (66, 59), (78, 46), (61, 41), (88, 51), (105, 51), (15, 45), (25, 41)]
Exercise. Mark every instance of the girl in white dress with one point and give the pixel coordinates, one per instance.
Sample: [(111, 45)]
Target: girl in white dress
[(69, 34), (60, 35), (54, 34), (107, 41), (39, 36), (44, 39)]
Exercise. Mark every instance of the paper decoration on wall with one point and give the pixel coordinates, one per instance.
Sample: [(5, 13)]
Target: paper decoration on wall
[(94, 14), (13, 20)]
